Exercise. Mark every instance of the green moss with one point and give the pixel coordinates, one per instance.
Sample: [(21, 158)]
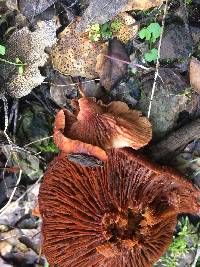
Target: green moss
[(105, 31), (50, 148), (180, 245)]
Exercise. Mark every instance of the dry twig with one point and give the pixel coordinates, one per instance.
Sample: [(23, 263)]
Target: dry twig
[(158, 58), (12, 194), (176, 140)]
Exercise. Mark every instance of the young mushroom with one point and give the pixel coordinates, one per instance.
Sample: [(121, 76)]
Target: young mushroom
[(121, 214), (96, 128)]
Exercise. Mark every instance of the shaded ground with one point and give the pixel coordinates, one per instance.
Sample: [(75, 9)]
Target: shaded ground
[(32, 91)]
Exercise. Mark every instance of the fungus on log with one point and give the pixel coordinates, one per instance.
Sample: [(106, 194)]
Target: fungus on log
[(122, 214), (95, 128)]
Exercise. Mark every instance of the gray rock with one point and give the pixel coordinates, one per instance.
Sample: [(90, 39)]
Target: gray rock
[(168, 101), (196, 2), (177, 43), (27, 223), (3, 264), (195, 34), (127, 92), (6, 187)]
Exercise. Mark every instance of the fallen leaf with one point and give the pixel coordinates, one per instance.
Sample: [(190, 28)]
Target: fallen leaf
[(32, 8), (112, 64), (8, 240), (195, 74), (142, 5), (127, 28), (75, 54), (18, 209), (13, 213), (105, 10), (36, 211)]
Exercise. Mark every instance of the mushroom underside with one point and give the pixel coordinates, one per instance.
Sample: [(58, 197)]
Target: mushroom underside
[(121, 214)]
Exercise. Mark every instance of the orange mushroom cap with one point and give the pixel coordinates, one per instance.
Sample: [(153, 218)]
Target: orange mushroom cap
[(121, 214), (98, 127)]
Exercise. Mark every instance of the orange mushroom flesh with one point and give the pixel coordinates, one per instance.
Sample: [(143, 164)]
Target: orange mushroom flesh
[(95, 128), (121, 214)]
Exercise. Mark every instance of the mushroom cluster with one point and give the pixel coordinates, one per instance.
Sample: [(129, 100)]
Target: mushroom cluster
[(122, 213)]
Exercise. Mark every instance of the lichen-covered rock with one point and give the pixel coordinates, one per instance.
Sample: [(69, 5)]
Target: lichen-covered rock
[(75, 54), (29, 48), (21, 85)]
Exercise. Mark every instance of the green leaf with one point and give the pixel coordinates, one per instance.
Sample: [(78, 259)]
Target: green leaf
[(18, 61), (115, 25), (155, 30), (95, 27), (95, 37), (151, 55), (106, 35), (144, 34), (105, 27), (2, 50), (20, 70)]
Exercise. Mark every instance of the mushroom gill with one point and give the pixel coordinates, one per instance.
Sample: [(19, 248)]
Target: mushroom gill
[(122, 214), (95, 128)]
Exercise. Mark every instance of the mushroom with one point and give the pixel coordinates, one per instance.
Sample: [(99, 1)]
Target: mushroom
[(96, 128), (121, 214)]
